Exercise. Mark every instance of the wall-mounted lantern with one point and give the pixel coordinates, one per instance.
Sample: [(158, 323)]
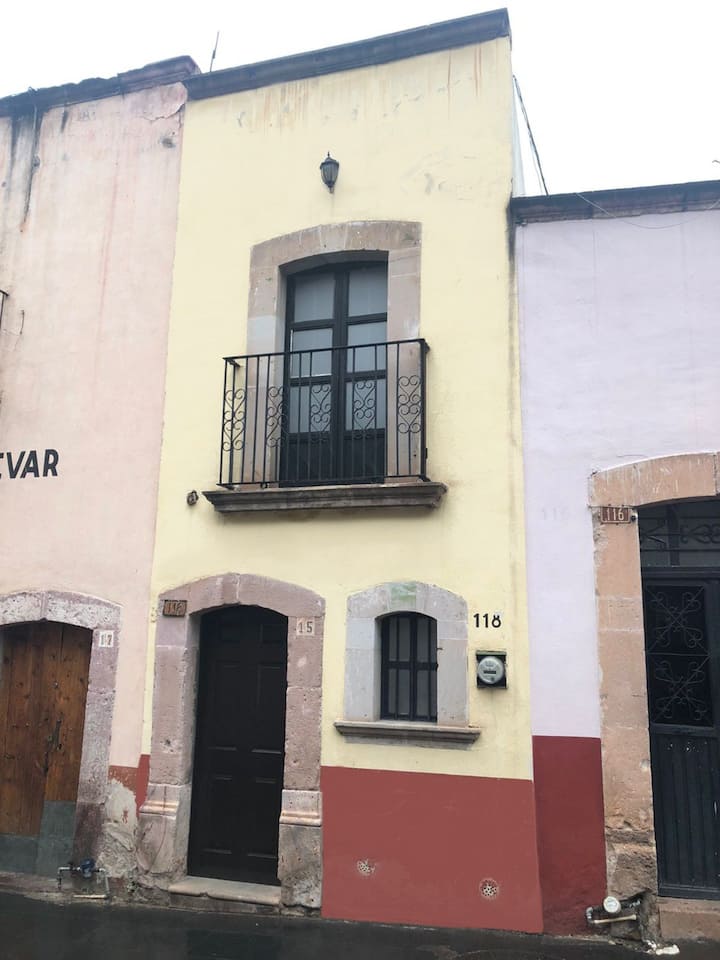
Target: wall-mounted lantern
[(329, 172)]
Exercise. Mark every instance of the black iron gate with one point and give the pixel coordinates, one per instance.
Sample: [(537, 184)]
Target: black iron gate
[(680, 550)]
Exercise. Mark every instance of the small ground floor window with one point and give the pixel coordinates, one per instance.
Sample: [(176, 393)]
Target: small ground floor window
[(409, 667)]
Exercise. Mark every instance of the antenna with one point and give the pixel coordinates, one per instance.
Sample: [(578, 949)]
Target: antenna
[(214, 53)]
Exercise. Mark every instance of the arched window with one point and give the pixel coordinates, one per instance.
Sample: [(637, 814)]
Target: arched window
[(408, 674)]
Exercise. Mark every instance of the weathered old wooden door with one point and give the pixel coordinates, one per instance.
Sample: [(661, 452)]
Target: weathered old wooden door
[(43, 689), (680, 550), (240, 745)]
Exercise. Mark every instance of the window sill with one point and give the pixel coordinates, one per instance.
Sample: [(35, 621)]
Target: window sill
[(398, 731), (419, 493)]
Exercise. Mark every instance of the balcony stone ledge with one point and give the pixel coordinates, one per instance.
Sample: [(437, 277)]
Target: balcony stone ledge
[(350, 496), (407, 733)]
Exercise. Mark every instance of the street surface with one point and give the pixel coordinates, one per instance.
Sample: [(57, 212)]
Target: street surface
[(38, 929)]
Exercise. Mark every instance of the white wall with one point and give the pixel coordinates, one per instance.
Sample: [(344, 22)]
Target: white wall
[(620, 361)]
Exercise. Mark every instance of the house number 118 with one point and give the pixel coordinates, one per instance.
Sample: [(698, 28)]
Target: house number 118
[(487, 621)]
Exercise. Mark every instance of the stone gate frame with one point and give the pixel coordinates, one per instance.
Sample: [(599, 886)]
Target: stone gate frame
[(627, 781), (97, 615), (165, 815)]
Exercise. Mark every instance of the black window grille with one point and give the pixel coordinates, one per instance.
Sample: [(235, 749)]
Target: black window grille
[(685, 534), (408, 688)]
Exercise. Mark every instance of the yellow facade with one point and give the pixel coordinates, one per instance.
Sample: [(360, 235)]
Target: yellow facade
[(425, 139)]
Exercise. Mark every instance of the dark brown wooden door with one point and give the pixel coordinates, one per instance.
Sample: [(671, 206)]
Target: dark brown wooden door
[(43, 689), (239, 746)]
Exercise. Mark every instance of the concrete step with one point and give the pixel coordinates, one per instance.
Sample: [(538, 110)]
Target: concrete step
[(231, 890)]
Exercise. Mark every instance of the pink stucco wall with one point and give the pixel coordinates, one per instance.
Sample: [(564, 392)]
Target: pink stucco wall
[(620, 355), (88, 203)]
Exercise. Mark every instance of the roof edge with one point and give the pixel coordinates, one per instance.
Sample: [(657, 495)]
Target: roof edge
[(174, 70), (625, 202), (446, 35)]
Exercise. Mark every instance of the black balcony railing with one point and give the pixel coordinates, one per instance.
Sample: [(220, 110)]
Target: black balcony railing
[(351, 414)]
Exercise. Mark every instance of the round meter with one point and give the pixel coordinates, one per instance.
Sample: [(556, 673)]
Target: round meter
[(490, 671)]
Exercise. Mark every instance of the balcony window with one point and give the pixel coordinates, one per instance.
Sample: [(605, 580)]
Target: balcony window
[(341, 404)]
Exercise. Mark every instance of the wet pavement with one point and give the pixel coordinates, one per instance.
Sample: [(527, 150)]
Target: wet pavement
[(38, 929)]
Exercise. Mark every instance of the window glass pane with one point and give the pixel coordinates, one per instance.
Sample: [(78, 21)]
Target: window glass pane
[(433, 696), (433, 641), (316, 364), (310, 408), (370, 358), (654, 538), (422, 640), (423, 694), (367, 291), (403, 701), (391, 699), (392, 638), (365, 405), (314, 297), (404, 638)]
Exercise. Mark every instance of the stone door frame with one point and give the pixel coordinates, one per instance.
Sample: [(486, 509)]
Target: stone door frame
[(165, 815), (627, 780), (99, 616)]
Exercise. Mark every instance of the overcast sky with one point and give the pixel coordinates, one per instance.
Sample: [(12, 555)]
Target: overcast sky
[(618, 93)]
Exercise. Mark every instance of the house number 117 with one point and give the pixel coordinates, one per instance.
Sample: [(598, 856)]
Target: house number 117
[(487, 621)]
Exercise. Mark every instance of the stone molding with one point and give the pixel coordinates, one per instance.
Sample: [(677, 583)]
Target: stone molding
[(165, 816), (425, 494), (409, 734), (328, 243), (687, 476), (627, 782), (95, 614), (362, 650)]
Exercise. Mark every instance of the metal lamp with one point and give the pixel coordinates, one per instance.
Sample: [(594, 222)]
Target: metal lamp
[(329, 172)]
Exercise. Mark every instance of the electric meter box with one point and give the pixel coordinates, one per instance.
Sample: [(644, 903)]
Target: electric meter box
[(491, 669)]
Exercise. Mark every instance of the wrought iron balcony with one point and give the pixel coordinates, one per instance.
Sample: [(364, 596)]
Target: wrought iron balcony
[(336, 415)]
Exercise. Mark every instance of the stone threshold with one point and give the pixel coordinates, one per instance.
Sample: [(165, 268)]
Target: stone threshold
[(689, 919), (350, 496), (231, 890), (396, 731)]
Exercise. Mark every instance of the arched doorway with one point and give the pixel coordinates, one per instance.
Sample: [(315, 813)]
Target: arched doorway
[(43, 688), (239, 745), (163, 843), (102, 622), (628, 782)]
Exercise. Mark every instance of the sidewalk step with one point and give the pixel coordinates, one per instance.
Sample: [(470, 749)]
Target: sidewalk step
[(231, 890)]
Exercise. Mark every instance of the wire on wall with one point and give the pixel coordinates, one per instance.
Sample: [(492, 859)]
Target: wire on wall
[(536, 155)]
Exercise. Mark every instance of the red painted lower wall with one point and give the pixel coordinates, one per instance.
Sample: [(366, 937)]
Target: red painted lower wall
[(570, 823), (134, 778), (421, 848)]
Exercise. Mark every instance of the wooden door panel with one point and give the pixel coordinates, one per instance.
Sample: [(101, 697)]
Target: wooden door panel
[(22, 772), (239, 751), (67, 694), (43, 687)]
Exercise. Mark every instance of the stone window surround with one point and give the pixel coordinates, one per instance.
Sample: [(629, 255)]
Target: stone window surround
[(272, 259), (362, 666), (95, 614), (164, 821), (627, 782)]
